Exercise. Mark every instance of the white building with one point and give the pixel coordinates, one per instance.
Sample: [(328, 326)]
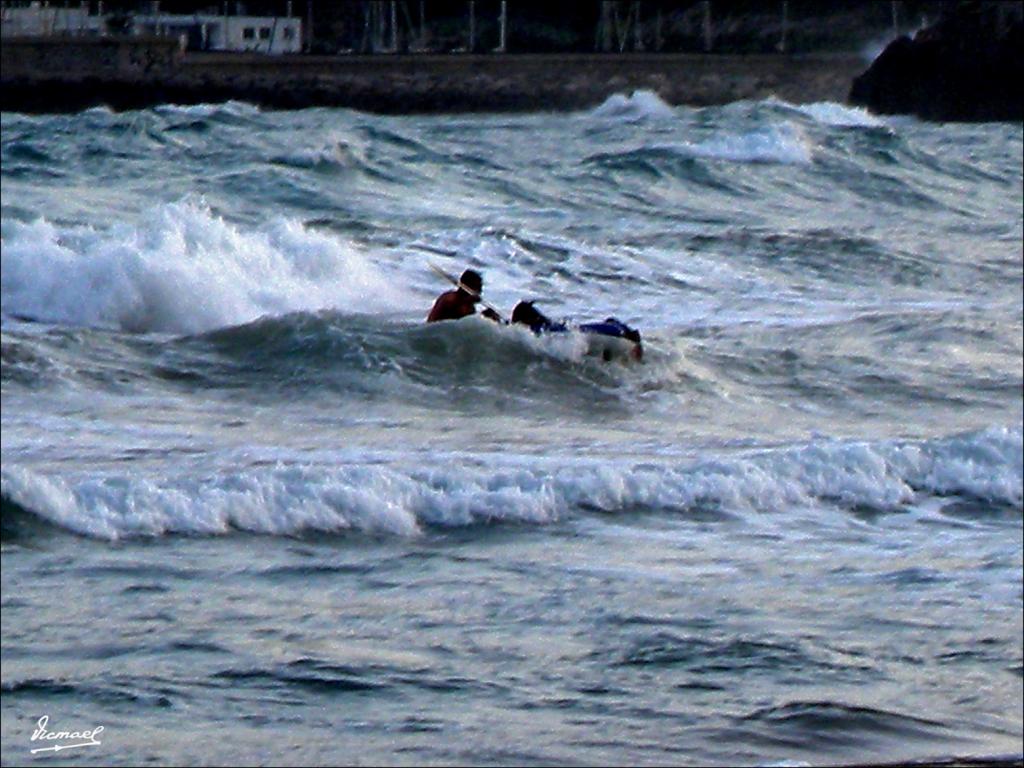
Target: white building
[(202, 32), (207, 32), (40, 19)]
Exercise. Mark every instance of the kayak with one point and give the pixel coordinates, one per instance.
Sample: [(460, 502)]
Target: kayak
[(612, 340)]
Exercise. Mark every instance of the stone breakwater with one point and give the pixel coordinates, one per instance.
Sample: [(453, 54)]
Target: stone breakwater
[(43, 76)]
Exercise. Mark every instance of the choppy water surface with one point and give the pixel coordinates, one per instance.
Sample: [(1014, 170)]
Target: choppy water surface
[(254, 510)]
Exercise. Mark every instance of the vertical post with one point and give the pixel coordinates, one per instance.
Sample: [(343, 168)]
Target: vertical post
[(472, 26), (659, 41), (423, 25), (638, 40), (621, 28), (707, 26), (378, 28), (785, 26), (373, 26), (394, 26), (606, 26), (369, 26), (895, 18), (309, 26), (502, 27)]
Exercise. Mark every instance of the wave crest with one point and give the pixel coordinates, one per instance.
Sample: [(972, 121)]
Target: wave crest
[(387, 496), (639, 105), (182, 269)]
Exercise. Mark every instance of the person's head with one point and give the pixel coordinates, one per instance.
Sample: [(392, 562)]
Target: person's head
[(524, 312), (472, 281)]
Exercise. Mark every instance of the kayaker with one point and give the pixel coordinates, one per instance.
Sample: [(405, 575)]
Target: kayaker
[(461, 302)]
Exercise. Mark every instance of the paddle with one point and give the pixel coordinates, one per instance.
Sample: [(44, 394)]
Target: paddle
[(459, 284)]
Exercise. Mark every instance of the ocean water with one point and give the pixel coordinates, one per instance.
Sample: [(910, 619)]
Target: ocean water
[(256, 511)]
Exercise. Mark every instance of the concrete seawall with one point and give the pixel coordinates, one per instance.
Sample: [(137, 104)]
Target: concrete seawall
[(46, 76)]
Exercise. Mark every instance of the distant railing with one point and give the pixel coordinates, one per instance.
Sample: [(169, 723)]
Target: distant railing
[(606, 26), (499, 26)]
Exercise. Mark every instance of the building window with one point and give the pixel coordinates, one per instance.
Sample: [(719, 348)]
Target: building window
[(249, 33), (264, 33)]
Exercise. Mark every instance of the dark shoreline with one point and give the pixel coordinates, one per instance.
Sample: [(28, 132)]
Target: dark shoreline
[(409, 84)]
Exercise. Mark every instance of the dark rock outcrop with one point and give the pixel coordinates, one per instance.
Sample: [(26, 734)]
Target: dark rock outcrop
[(966, 68)]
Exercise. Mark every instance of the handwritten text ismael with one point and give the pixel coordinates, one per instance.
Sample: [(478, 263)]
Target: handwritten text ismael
[(80, 738)]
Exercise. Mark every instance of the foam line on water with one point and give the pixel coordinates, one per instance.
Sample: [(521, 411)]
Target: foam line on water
[(783, 143), (395, 497)]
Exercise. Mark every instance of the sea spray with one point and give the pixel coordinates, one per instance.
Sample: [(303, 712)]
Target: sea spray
[(640, 105), (182, 269)]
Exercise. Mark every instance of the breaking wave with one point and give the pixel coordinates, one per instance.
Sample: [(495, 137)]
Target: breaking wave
[(182, 269), (285, 495)]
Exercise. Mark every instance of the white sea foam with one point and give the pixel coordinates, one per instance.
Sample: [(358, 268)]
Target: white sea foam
[(841, 116), (639, 105), (334, 153), (182, 269), (873, 48), (199, 111), (783, 143), (394, 497), (336, 147), (571, 346)]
